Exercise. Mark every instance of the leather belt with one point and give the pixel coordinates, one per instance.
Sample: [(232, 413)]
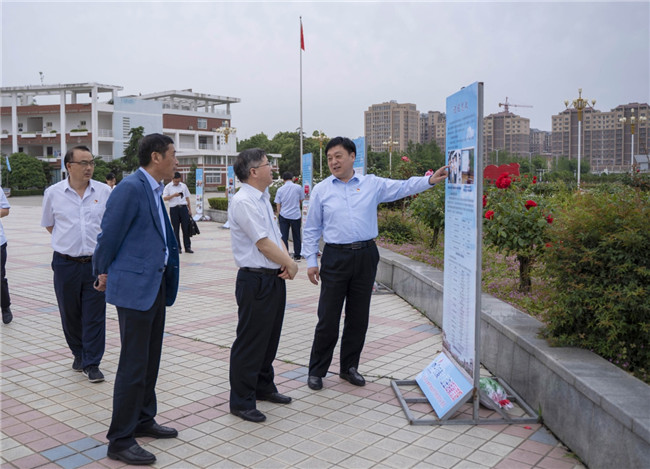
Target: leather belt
[(261, 270), (353, 246), (81, 259)]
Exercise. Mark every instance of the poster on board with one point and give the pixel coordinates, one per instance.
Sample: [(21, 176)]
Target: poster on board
[(199, 193), (444, 385), (307, 167), (359, 165), (462, 267)]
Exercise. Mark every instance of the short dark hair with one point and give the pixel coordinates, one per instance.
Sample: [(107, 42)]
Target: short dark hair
[(345, 142), (287, 175), (177, 175), (70, 153), (246, 160), (110, 176), (152, 143)]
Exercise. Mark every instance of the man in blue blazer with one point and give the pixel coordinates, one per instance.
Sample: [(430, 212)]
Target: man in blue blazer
[(136, 262)]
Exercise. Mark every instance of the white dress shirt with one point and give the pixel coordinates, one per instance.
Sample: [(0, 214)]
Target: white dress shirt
[(76, 221), (172, 189), (251, 218), (4, 203)]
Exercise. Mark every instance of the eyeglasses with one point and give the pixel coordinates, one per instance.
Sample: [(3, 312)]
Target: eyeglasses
[(265, 164), (84, 163)]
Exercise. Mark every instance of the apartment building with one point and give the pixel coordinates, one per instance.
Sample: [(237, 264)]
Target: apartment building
[(606, 141), (433, 127), (44, 121), (540, 142), (506, 131), (391, 121)]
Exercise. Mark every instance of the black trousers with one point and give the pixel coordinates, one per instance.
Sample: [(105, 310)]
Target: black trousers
[(261, 299), (285, 224), (134, 394), (180, 215), (346, 275), (82, 309), (5, 300)]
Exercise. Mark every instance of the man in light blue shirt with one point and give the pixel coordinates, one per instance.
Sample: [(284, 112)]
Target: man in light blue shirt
[(343, 209), (287, 202), (5, 299)]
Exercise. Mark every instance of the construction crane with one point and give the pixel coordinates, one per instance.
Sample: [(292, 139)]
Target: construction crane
[(507, 105)]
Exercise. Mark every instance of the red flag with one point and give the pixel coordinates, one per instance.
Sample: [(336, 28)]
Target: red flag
[(302, 38)]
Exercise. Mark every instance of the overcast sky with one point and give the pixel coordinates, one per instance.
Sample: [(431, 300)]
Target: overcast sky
[(357, 54)]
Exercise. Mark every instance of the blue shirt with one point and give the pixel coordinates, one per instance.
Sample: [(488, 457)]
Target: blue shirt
[(346, 212), (158, 187), (289, 196)]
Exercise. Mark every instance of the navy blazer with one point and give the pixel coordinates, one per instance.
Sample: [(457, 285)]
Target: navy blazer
[(131, 247)]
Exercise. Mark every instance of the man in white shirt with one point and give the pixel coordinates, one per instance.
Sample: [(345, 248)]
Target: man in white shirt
[(72, 213), (5, 300), (180, 210), (264, 265), (287, 202)]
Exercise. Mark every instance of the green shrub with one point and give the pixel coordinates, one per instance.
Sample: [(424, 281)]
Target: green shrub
[(23, 192), (429, 208), (221, 188), (599, 265), (218, 203), (395, 227)]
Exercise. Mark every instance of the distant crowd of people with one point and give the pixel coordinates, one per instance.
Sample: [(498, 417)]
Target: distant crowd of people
[(117, 244)]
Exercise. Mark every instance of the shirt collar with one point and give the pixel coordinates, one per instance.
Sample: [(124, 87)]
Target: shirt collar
[(356, 176), (156, 186), (68, 186), (255, 192)]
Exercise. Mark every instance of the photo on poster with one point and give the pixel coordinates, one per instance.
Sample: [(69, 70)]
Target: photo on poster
[(461, 166)]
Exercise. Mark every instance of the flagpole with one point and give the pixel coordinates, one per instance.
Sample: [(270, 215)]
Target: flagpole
[(302, 45)]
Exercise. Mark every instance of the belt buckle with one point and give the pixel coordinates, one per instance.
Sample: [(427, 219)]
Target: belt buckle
[(356, 245)]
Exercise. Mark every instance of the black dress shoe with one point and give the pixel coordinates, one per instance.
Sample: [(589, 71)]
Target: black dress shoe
[(275, 397), (135, 455), (315, 382), (7, 317), (189, 251), (157, 431), (353, 377), (252, 415)]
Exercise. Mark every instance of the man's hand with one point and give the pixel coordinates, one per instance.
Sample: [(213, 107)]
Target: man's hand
[(312, 273), (100, 283), (439, 176), (289, 271)]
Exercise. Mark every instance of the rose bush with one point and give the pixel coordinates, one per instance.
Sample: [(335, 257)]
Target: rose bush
[(516, 223)]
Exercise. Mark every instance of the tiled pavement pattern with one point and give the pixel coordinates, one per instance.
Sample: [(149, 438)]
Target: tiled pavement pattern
[(53, 417)]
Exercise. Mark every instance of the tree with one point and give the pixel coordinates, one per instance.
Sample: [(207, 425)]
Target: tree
[(26, 172), (190, 181), (130, 160)]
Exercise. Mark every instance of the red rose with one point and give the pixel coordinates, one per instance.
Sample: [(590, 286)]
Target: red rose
[(549, 219), (548, 245), (503, 181), (530, 204), (405, 158), (484, 200), (489, 214)]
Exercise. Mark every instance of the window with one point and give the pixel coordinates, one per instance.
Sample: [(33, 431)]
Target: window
[(48, 124), (82, 123), (202, 123), (50, 151)]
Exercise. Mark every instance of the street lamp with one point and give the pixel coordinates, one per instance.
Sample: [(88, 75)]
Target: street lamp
[(320, 137), (632, 123), (390, 142), (225, 131), (579, 105)]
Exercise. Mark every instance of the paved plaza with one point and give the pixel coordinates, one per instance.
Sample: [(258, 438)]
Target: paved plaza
[(53, 417)]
